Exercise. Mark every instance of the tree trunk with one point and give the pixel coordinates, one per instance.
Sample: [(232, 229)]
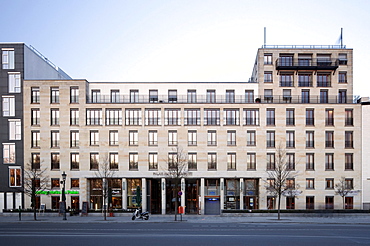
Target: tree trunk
[(33, 199), (344, 205), (176, 198), (279, 198)]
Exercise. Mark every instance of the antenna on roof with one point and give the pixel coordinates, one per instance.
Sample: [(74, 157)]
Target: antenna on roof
[(264, 38), (341, 37)]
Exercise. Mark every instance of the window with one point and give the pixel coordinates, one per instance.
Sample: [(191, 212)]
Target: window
[(323, 80), (35, 161), (113, 117), (54, 116), (310, 161), (192, 161), (75, 183), (8, 58), (268, 95), (211, 138), (231, 138), (348, 183), (290, 183), (251, 138), (251, 117), (231, 117), (270, 116), (114, 96), (348, 161), (55, 161), (8, 106), (35, 139), (286, 60), (287, 95), (305, 98), (192, 137), (249, 96), (94, 138), (329, 117), (329, 202), (251, 161), (270, 161), (74, 117), (14, 82), (172, 161), (310, 139), (134, 96), (286, 80), (310, 184), (55, 139), (153, 161), (342, 96), (152, 117), (74, 95), (55, 201), (329, 139), (55, 183), (267, 59), (172, 96), (270, 139), (172, 117), (348, 117), (329, 183), (231, 161), (113, 161), (153, 96), (310, 117), (94, 117), (212, 161), (153, 138), (133, 138), (113, 138), (329, 162), (35, 95), (192, 96), (211, 117), (54, 95), (290, 118), (192, 117), (348, 139), (290, 159), (230, 96), (8, 153), (75, 161), (304, 80), (342, 59), (35, 117), (94, 161), (304, 60), (15, 177), (342, 77), (133, 117), (310, 202), (211, 96), (15, 129), (75, 139), (267, 77), (95, 95), (172, 138), (324, 98)]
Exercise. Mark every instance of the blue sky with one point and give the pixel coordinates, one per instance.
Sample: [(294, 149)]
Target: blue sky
[(193, 40)]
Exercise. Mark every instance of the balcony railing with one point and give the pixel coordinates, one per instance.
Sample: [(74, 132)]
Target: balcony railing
[(305, 64)]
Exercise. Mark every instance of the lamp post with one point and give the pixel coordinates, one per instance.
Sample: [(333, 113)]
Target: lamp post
[(64, 176)]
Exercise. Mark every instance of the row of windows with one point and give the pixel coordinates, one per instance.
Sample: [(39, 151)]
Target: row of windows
[(153, 117), (305, 79), (305, 59), (310, 183)]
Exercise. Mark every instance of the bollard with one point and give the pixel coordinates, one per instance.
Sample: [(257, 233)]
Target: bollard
[(20, 213)]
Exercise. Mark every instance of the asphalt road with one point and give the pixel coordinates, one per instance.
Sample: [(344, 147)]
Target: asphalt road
[(182, 233)]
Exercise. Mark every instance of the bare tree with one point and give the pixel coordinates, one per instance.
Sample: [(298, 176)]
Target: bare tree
[(280, 171), (177, 168), (35, 181), (105, 172), (343, 188)]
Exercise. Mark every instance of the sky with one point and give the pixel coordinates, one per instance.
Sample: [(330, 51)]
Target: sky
[(181, 41)]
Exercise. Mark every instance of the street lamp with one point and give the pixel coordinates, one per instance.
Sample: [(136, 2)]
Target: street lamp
[(64, 176)]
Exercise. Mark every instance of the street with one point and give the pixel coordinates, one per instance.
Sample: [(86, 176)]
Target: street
[(183, 233)]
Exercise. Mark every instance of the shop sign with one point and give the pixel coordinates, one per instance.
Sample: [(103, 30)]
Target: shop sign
[(57, 192)]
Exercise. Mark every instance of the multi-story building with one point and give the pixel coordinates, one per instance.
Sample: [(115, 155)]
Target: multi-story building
[(18, 62)]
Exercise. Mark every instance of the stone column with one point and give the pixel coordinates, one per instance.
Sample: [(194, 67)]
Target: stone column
[(143, 195), (241, 194), (201, 198), (182, 188), (124, 193), (222, 193), (163, 188)]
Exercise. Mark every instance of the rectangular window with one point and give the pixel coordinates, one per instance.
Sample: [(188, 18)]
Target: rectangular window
[(152, 117), (133, 138), (270, 139), (192, 117), (290, 117), (348, 161), (267, 77), (74, 117), (94, 138), (192, 96), (55, 183), (54, 95), (286, 80), (114, 96), (133, 161), (329, 202), (113, 117), (268, 95), (95, 95), (15, 129), (231, 117), (270, 117), (324, 96), (172, 138), (8, 153), (55, 139), (15, 177), (323, 80), (310, 117), (54, 116), (310, 184), (270, 161), (329, 117), (134, 96), (231, 161), (287, 95), (192, 138), (310, 161), (305, 98), (211, 96), (94, 161), (75, 139), (35, 139), (113, 138), (348, 139), (285, 60), (172, 96), (153, 96), (342, 59), (212, 161), (342, 96), (231, 138), (230, 96), (329, 139), (133, 117), (153, 161), (251, 117), (75, 183), (8, 58), (251, 161), (14, 82), (35, 161), (192, 161), (310, 139), (342, 77), (348, 117), (35, 95), (310, 202), (249, 96), (211, 138), (304, 80), (172, 117), (251, 138), (267, 59), (8, 106), (290, 161), (329, 162), (211, 117), (329, 183), (55, 161), (74, 95), (348, 183), (153, 138), (113, 161), (94, 117), (35, 116), (75, 161)]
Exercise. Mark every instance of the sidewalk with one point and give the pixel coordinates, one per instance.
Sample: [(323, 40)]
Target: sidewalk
[(98, 218)]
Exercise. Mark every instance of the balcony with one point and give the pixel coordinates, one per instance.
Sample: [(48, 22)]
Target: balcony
[(304, 64)]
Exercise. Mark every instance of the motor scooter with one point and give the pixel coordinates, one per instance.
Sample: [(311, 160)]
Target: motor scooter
[(137, 214)]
